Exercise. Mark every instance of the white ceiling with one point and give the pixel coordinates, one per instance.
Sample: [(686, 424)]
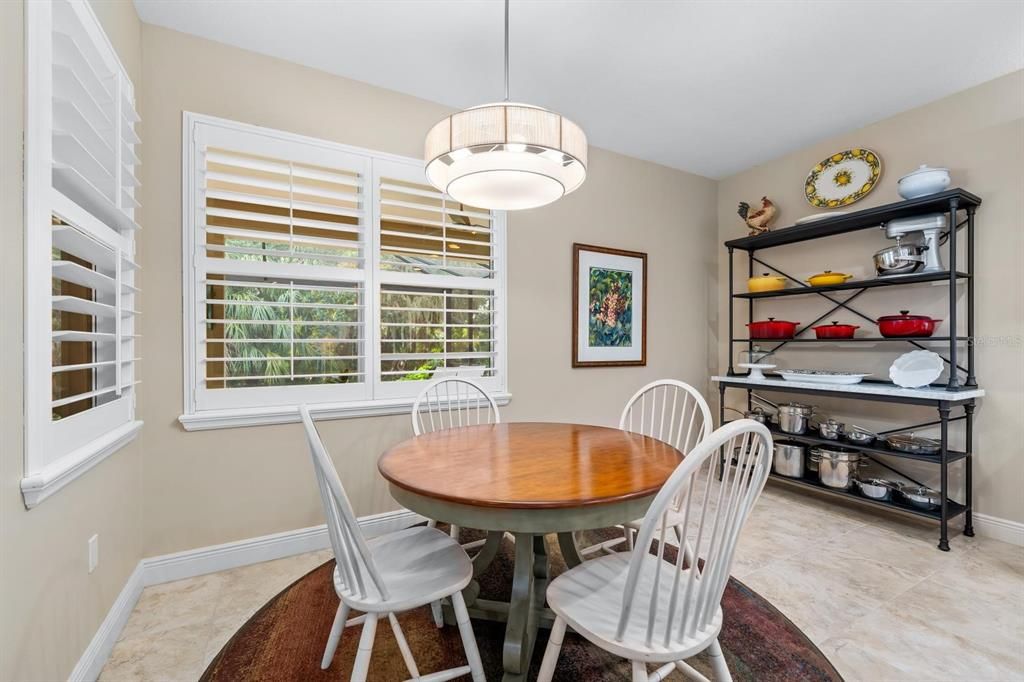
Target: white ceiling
[(704, 86)]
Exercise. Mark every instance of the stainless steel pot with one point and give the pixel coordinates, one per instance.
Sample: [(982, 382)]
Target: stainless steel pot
[(877, 488), (899, 259), (789, 459), (837, 467), (913, 444), (859, 435), (758, 415), (921, 497), (794, 417), (830, 429)]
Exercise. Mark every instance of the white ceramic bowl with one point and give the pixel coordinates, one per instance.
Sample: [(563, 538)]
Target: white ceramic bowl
[(916, 369), (922, 182)]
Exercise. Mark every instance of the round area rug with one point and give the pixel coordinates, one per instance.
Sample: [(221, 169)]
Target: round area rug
[(285, 639)]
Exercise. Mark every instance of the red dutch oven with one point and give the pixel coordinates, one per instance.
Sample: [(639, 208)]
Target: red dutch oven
[(835, 331), (906, 325), (772, 329)]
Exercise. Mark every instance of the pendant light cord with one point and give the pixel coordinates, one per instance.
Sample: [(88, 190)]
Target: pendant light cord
[(506, 50)]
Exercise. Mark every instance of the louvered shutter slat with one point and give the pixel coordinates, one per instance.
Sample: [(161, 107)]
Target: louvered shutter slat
[(93, 336), (284, 293)]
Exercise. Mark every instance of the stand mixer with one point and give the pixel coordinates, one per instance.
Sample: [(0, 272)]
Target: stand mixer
[(917, 245)]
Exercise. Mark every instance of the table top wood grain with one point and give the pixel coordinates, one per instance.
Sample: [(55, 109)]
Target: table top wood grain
[(530, 465)]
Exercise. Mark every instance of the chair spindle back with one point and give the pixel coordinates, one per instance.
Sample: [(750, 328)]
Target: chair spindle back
[(669, 410), (451, 402), (712, 513), (358, 573)]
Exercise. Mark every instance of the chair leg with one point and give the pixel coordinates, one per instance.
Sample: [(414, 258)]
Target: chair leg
[(718, 666), (361, 667), (454, 532), (639, 671), (435, 610), (476, 667), (547, 666), (629, 537), (403, 646), (432, 523), (335, 636)]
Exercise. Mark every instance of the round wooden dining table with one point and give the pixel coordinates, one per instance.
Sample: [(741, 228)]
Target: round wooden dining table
[(527, 479)]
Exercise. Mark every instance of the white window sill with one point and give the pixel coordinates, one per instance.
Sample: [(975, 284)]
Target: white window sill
[(289, 414), (39, 485)]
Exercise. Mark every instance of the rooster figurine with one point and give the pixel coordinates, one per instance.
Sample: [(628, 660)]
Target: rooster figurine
[(760, 220)]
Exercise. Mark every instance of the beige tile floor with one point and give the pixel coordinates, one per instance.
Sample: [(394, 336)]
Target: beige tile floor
[(870, 589)]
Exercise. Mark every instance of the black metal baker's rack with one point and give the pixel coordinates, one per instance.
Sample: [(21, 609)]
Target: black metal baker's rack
[(961, 389)]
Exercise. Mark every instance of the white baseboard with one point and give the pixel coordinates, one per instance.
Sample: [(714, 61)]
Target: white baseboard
[(195, 562), (999, 529), (96, 654)]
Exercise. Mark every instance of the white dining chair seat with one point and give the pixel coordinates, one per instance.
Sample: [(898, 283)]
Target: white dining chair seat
[(658, 605), (387, 575), (586, 597), (419, 565)]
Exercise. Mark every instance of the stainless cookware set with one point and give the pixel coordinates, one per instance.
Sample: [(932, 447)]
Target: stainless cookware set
[(830, 429), (795, 417), (835, 466), (916, 445), (789, 459), (877, 488)]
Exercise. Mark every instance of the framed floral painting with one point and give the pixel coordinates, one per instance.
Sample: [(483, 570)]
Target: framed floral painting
[(609, 307)]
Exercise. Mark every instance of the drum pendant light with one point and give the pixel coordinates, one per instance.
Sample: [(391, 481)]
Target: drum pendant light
[(506, 155)]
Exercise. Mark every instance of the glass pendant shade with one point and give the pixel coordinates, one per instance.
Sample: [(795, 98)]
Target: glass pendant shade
[(506, 156)]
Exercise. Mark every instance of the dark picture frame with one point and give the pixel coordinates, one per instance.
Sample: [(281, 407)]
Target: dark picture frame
[(624, 266)]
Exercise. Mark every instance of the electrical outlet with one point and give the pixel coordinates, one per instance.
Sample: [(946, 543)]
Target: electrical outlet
[(94, 552)]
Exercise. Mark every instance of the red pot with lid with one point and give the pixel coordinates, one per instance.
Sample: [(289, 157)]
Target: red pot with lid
[(906, 325), (835, 330), (772, 329)]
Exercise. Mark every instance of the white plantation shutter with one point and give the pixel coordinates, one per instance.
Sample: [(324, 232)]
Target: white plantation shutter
[(93, 133), (438, 285), (281, 252), (81, 310), (93, 320), (329, 275)]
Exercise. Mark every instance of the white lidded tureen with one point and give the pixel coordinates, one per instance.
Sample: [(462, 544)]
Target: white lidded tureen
[(922, 182)]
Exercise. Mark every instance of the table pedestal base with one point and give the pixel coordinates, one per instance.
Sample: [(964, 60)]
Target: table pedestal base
[(526, 613)]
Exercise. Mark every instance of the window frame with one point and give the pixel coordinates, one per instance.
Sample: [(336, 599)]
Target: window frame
[(276, 405), (59, 451)]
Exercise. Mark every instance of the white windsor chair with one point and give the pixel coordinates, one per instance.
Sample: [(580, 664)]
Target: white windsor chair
[(449, 402), (648, 609), (388, 574), (670, 411)]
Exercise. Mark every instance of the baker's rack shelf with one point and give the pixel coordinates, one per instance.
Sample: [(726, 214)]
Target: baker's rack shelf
[(892, 281), (959, 392)]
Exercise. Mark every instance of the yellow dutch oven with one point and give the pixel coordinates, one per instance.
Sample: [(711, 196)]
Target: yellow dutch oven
[(827, 279), (766, 282)]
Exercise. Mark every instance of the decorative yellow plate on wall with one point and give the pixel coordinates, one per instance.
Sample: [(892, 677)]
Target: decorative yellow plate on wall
[(843, 178)]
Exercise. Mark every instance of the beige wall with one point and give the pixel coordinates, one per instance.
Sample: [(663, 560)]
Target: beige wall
[(173, 490), (50, 606), (979, 135), (217, 486)]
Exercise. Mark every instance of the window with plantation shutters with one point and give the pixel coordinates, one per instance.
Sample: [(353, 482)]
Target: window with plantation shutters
[(437, 295), (280, 254), (81, 159), (325, 274), (93, 318)]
